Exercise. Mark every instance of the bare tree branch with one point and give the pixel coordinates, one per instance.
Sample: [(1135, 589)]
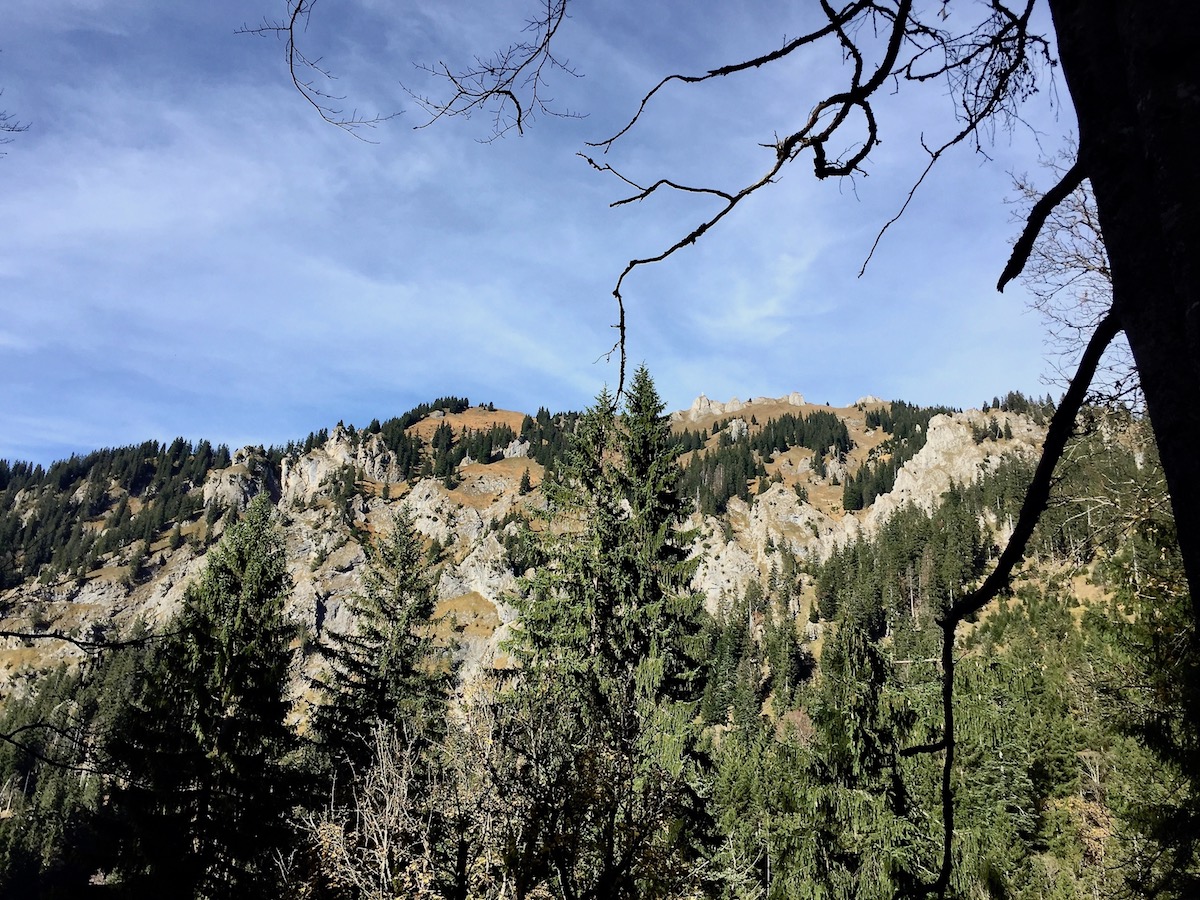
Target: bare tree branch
[(787, 49), (88, 645), (1062, 426), (91, 646), (498, 82), (990, 69), (13, 739), (1071, 180), (1066, 271), (308, 74), (934, 156), (9, 126), (982, 72)]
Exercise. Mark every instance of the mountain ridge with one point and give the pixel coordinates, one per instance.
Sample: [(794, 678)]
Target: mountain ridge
[(345, 486)]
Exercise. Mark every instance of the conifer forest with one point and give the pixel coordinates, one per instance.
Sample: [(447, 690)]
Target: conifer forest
[(765, 650), (628, 738)]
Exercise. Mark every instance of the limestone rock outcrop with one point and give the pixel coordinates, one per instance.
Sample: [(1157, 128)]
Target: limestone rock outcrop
[(779, 518), (464, 527), (703, 407), (725, 568), (951, 455), (304, 477), (248, 475), (518, 449)]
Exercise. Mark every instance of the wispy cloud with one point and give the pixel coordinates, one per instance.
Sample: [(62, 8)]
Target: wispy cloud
[(192, 251)]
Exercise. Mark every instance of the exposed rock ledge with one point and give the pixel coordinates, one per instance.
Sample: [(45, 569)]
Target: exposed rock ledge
[(702, 406)]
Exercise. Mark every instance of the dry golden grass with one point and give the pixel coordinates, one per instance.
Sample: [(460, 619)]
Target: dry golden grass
[(469, 615), (477, 418), (75, 615), (481, 484), (15, 660), (827, 498), (395, 489), (107, 573), (764, 412)]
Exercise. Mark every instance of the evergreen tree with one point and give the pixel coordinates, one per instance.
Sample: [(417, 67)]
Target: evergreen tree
[(385, 671), (864, 836), (609, 644), (1156, 655), (49, 833), (206, 795)]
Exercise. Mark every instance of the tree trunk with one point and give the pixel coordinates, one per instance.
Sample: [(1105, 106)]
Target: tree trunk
[(1134, 75)]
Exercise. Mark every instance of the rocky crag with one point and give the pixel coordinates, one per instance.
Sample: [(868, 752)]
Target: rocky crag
[(350, 484)]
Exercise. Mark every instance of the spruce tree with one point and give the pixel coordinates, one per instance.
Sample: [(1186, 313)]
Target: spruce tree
[(608, 645), (671, 613), (51, 839), (207, 792), (383, 672), (863, 834), (1156, 654)]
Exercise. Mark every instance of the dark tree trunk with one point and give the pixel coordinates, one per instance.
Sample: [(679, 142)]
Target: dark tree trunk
[(1133, 70)]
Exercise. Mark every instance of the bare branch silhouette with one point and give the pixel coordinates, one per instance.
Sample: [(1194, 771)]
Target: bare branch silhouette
[(499, 82), (990, 68), (9, 126), (1062, 426), (1041, 211), (308, 74)]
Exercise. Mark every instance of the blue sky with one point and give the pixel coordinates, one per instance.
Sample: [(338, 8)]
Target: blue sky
[(191, 251)]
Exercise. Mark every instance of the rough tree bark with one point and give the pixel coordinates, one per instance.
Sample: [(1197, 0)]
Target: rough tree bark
[(1134, 76)]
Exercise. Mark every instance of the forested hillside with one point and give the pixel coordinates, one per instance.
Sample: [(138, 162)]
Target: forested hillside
[(474, 653)]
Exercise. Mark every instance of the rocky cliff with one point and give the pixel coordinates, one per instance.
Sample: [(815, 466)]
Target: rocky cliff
[(464, 519)]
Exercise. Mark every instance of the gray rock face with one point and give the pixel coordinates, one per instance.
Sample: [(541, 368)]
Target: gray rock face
[(951, 455), (518, 449), (483, 570), (303, 478), (779, 518), (439, 516), (726, 567), (247, 476), (326, 559), (702, 406)]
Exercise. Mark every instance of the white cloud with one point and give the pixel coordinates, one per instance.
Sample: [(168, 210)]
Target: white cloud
[(116, 17), (194, 252)]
